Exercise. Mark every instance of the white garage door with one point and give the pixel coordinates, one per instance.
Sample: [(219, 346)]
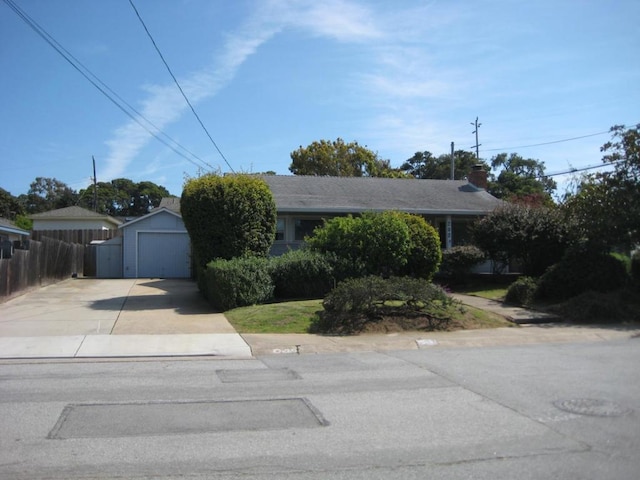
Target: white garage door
[(164, 255)]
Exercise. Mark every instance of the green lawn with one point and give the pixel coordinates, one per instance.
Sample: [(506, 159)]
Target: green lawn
[(296, 317), (284, 317)]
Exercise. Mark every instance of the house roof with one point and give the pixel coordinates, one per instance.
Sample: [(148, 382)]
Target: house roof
[(8, 226), (73, 213), (153, 212), (339, 195), (315, 194)]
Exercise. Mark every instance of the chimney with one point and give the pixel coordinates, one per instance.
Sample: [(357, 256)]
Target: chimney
[(478, 177)]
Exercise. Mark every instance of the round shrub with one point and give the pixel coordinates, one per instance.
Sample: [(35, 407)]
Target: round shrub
[(238, 282), (579, 271), (425, 253), (301, 274), (522, 291), (458, 261)]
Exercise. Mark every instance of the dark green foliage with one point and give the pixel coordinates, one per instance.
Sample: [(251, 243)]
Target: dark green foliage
[(123, 197), (238, 282), (386, 244), (522, 291), (356, 302), (227, 217), (426, 165), (635, 267), (301, 274), (520, 178), (621, 306), (535, 236), (579, 271), (458, 261)]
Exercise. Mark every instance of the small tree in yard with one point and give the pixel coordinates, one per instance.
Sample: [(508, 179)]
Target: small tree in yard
[(228, 216), (537, 236)]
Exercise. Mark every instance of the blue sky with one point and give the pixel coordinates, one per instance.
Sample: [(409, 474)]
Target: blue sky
[(267, 76)]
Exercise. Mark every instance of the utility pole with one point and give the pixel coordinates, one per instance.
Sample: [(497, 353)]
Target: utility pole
[(95, 186), (477, 125), (453, 164)]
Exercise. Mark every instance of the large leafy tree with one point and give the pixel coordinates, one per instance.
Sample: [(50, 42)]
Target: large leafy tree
[(426, 165), (607, 205), (48, 194), (520, 178), (339, 159), (123, 197)]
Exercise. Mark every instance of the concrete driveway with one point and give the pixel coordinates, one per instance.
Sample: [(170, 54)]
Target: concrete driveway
[(115, 317)]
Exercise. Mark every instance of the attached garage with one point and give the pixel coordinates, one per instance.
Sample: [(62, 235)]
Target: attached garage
[(156, 246)]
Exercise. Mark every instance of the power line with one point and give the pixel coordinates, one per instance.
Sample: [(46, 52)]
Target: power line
[(582, 169), (546, 143), (178, 85), (103, 88)]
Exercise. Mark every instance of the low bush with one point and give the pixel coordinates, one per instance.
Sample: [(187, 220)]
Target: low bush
[(457, 262), (579, 271), (301, 274), (522, 291), (355, 303), (237, 282), (621, 306)]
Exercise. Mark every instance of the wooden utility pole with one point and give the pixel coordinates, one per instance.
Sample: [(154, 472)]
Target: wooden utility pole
[(453, 164), (477, 125), (95, 186)]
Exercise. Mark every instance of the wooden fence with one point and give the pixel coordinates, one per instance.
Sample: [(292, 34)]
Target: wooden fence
[(45, 262), (83, 237)]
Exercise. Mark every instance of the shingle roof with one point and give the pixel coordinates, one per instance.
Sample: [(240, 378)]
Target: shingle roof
[(73, 212), (333, 195), (359, 194), (170, 203)]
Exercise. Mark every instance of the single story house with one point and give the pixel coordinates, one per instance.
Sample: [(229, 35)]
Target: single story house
[(73, 218), (157, 244)]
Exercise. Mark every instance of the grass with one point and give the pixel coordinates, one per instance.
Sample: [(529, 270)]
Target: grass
[(490, 291), (296, 317), (284, 317)]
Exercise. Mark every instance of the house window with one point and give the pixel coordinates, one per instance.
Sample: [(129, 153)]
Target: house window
[(305, 228), (280, 229)]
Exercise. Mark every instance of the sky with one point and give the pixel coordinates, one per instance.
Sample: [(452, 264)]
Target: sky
[(268, 76)]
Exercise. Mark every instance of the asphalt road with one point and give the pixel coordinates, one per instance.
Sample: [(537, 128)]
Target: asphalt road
[(539, 411)]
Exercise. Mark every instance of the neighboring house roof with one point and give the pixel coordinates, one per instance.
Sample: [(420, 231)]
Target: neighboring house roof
[(74, 213), (6, 226), (170, 203), (153, 212), (339, 195), (300, 194)]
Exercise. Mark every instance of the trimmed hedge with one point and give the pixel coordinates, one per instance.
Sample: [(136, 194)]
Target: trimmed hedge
[(458, 261), (238, 282), (301, 274), (228, 216)]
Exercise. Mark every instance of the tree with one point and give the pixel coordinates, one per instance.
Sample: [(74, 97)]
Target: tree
[(535, 236), (10, 207), (339, 159), (426, 165), (228, 216), (607, 205), (520, 178), (123, 197), (48, 194)]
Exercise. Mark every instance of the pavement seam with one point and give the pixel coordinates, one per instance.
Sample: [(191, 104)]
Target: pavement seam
[(122, 306), (75, 354)]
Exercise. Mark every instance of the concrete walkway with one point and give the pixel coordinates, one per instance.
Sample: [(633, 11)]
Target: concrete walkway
[(91, 318)]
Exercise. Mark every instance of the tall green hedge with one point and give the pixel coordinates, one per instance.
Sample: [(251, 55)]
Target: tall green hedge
[(228, 216)]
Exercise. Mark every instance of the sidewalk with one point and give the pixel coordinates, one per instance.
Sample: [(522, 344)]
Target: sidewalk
[(89, 318)]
